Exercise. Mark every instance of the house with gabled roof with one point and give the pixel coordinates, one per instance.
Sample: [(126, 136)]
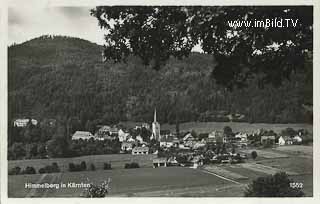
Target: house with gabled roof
[(140, 150), (84, 135)]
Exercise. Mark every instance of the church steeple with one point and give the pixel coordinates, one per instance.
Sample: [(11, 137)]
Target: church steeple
[(155, 127), (155, 116)]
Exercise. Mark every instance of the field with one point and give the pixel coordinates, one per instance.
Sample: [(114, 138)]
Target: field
[(206, 127), (116, 160), (173, 181), (223, 180)]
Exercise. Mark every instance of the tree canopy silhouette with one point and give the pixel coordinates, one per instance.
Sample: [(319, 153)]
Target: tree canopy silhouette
[(154, 33)]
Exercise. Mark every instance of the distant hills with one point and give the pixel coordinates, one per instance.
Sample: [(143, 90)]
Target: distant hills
[(65, 77)]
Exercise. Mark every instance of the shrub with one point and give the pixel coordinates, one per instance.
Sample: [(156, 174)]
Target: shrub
[(107, 166), (131, 165), (254, 154), (83, 165), (15, 171), (92, 167), (97, 191), (72, 167), (54, 168), (29, 170), (42, 171), (77, 167), (277, 185)]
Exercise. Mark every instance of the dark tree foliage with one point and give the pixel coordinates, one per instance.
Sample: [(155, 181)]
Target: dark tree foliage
[(277, 185), (154, 33), (254, 154), (78, 91)]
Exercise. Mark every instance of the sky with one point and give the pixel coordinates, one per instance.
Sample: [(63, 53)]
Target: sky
[(25, 23)]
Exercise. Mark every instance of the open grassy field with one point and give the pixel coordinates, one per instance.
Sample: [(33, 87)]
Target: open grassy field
[(116, 160), (206, 127), (210, 181), (173, 181)]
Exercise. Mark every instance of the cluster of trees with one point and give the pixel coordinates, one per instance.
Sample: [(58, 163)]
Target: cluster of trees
[(53, 168), (277, 185), (42, 141), (132, 165), (17, 170), (78, 167)]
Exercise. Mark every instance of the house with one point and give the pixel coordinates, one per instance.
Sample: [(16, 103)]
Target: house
[(146, 126), (166, 141), (199, 144), (268, 140), (182, 146), (297, 139), (160, 162), (140, 150), (82, 135), (104, 133), (285, 140), (126, 146), (196, 161), (24, 122), (104, 130), (139, 139), (122, 135), (241, 139), (189, 140), (172, 161), (114, 131)]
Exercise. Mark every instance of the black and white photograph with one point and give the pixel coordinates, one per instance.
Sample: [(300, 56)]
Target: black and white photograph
[(160, 101)]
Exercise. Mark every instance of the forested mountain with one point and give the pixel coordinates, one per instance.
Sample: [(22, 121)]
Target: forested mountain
[(64, 77)]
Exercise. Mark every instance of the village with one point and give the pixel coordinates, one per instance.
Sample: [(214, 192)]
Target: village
[(188, 149)]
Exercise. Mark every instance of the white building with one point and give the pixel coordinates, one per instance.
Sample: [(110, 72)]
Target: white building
[(285, 140), (297, 139), (140, 150), (82, 135), (24, 122), (122, 135)]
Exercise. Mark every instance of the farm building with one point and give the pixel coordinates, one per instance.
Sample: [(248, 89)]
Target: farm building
[(160, 162), (104, 133), (285, 140), (82, 135), (140, 150), (126, 146), (241, 139), (268, 140), (122, 135), (166, 141), (114, 131), (139, 139), (297, 139), (24, 122)]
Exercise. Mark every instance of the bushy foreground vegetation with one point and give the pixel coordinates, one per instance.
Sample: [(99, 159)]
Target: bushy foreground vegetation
[(277, 185)]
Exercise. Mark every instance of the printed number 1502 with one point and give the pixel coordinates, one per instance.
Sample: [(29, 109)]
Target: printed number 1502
[(296, 185)]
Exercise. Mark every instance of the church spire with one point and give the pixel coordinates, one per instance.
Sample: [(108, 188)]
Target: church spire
[(155, 115)]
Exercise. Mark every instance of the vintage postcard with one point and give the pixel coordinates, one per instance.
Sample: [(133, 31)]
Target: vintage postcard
[(159, 100)]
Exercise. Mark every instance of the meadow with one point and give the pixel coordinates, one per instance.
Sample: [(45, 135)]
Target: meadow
[(128, 182), (216, 180), (116, 160), (206, 127)]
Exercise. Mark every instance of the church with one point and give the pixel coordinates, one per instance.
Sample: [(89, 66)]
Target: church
[(155, 128)]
